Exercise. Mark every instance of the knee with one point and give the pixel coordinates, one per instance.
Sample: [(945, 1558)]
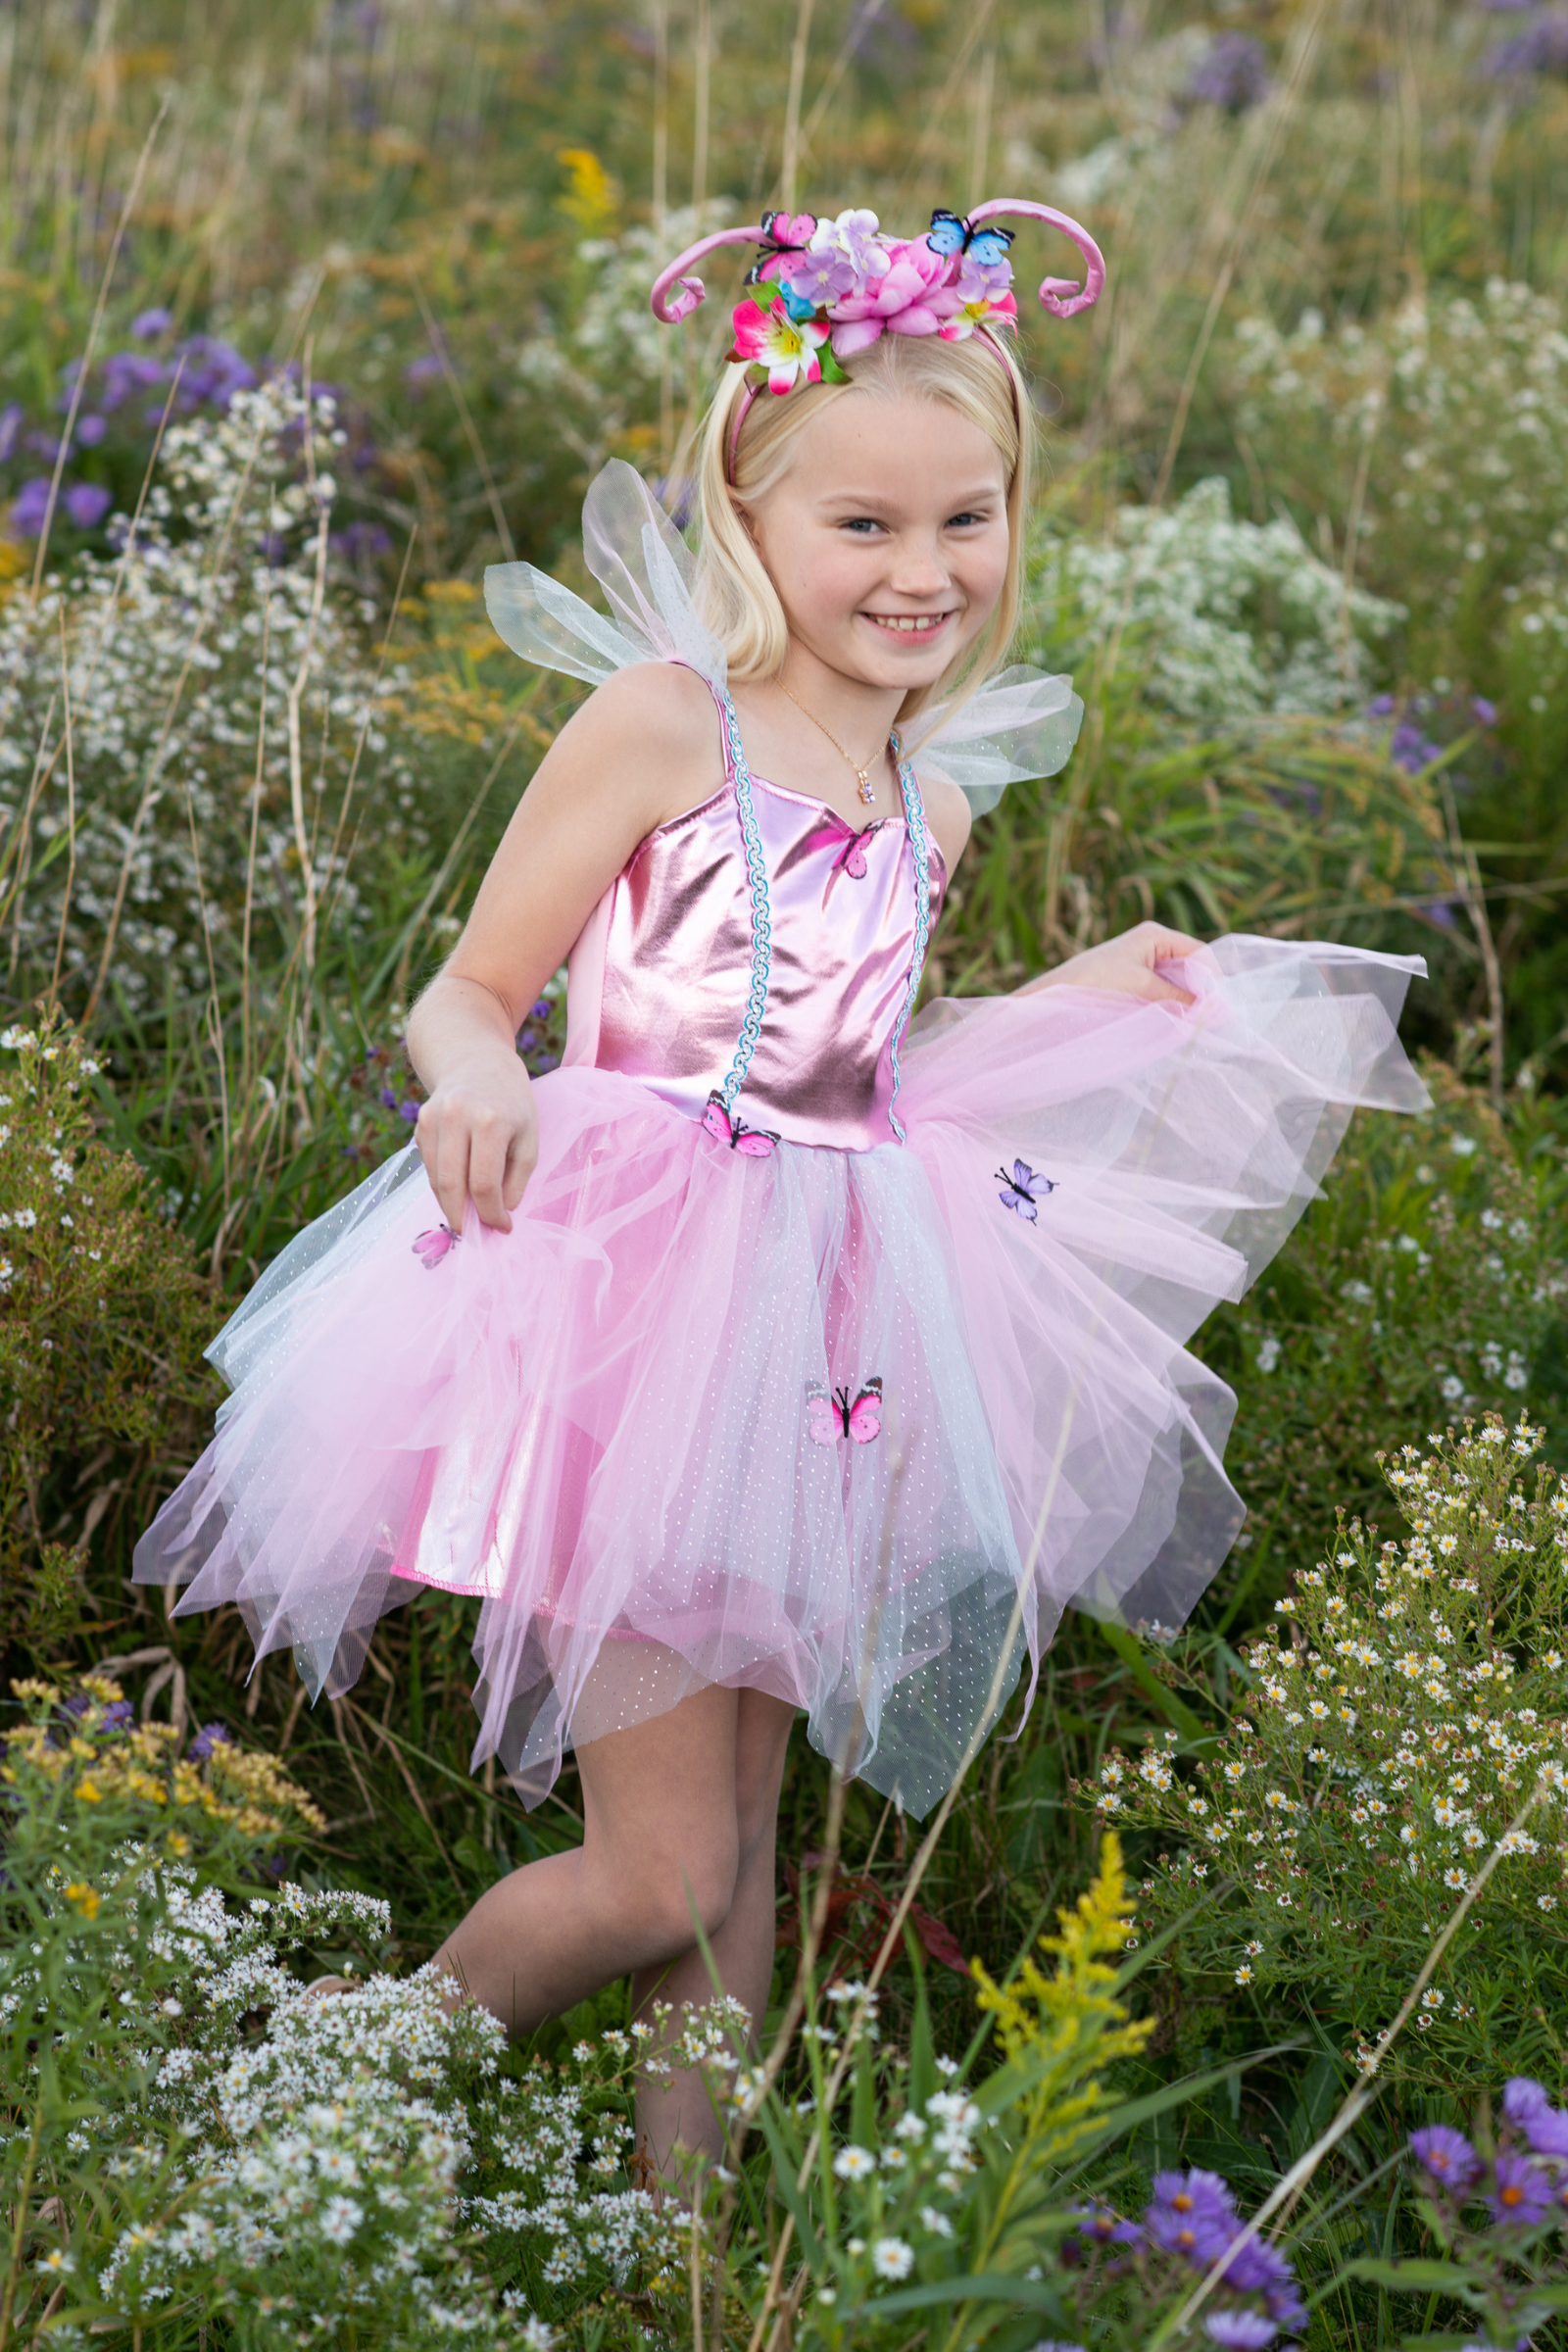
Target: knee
[(683, 1887)]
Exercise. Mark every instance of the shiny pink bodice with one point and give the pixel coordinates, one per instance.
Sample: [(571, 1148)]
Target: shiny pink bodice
[(658, 982)]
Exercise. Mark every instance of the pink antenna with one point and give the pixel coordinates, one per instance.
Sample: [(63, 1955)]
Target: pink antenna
[(691, 290), (1061, 296)]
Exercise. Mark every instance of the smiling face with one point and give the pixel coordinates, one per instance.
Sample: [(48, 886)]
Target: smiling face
[(887, 537)]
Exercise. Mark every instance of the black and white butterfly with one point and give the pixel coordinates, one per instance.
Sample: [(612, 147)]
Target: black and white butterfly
[(1024, 1189), (950, 233)]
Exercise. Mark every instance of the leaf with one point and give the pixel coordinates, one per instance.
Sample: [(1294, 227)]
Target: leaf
[(939, 1941), (1417, 2278)]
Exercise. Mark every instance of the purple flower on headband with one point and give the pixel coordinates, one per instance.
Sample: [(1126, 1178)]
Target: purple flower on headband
[(1522, 2195), (982, 292), (1446, 2155)]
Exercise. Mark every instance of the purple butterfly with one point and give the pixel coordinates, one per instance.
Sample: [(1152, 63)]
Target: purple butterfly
[(753, 1142), (1024, 1189), (431, 1247)]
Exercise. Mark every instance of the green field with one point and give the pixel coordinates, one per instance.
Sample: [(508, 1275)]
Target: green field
[(343, 303)]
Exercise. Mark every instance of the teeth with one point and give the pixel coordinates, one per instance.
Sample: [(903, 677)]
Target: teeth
[(908, 623)]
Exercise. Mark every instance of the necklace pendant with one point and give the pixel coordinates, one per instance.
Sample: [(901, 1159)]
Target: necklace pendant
[(868, 788)]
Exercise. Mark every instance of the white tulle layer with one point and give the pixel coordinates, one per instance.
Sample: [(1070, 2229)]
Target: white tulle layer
[(597, 1423)]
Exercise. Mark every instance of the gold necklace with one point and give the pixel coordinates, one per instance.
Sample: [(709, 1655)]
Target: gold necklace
[(862, 776)]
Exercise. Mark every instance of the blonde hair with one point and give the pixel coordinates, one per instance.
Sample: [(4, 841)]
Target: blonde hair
[(736, 596)]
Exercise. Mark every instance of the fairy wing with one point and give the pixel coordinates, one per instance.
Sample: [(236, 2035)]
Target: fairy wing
[(1021, 723), (647, 573), (824, 1421)]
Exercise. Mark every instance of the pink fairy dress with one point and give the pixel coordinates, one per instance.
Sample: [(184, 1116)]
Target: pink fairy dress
[(831, 1354)]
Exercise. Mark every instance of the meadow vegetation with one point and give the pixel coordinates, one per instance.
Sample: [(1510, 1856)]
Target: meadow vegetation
[(308, 313)]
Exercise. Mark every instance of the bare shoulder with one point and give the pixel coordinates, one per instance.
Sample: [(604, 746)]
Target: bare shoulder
[(655, 722), (946, 813)]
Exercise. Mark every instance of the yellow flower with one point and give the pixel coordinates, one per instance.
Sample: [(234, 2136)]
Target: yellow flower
[(88, 1791), (85, 1898)]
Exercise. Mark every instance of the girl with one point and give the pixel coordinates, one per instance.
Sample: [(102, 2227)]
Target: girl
[(773, 1356)]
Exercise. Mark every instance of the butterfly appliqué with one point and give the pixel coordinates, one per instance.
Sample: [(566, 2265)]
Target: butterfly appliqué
[(831, 1416), (782, 233), (753, 1142), (1024, 1189), (951, 234), (431, 1247)]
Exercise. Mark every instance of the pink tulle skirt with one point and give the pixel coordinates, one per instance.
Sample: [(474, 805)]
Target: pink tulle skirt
[(601, 1425)]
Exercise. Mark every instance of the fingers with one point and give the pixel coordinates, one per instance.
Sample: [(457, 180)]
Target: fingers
[(473, 1150)]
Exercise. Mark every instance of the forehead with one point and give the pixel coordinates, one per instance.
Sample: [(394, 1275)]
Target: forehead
[(898, 447)]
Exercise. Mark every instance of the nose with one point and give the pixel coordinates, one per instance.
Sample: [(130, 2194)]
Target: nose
[(919, 569)]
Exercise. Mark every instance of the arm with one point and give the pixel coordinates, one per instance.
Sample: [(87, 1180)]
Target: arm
[(641, 749)]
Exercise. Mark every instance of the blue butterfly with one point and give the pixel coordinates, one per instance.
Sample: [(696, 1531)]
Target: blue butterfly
[(1024, 1189), (951, 234)]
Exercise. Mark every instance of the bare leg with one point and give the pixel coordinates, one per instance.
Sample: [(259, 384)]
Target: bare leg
[(742, 1948), (678, 1817)]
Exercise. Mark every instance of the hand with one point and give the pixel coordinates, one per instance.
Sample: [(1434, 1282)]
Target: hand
[(478, 1136), (1125, 966)]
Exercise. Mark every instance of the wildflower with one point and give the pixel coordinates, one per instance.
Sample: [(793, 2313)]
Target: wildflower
[(1546, 1902), (1446, 2155), (1193, 2213), (1456, 1878), (1240, 2330), (1102, 2226), (1432, 1998), (1522, 2194), (854, 2164), (935, 2221), (1244, 1974), (891, 2258)]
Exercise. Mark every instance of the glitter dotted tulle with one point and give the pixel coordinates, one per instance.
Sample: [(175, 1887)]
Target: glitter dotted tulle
[(600, 1424)]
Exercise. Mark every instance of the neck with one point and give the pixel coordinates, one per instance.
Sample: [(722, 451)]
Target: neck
[(861, 716)]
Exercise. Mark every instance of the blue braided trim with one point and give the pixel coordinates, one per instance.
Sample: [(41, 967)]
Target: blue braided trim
[(761, 928), (915, 819)]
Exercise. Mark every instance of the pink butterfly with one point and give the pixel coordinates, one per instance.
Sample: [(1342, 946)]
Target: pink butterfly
[(755, 1143), (431, 1247), (830, 1419)]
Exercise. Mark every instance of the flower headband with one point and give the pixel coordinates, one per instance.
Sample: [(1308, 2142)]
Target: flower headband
[(842, 283)]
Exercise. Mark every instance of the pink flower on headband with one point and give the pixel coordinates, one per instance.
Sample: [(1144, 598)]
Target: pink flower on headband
[(983, 296), (786, 347), (908, 299)]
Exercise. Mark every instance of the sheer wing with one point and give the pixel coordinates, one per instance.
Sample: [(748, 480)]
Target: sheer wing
[(645, 570), (1020, 724)]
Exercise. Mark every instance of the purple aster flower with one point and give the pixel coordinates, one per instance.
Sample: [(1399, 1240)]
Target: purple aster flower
[(211, 1735), (1541, 48), (1441, 913), (1259, 2268), (361, 542), (12, 417), (1232, 74), (541, 1008), (1522, 2195), (1446, 2155), (44, 445), (389, 1100), (1381, 706), (148, 323), (1102, 2228), (91, 428), (425, 370), (1484, 711), (1240, 2330), (119, 1716), (527, 1039), (1522, 2098), (86, 504), (1192, 2215), (408, 1111), (127, 373), (1546, 2130), (29, 507)]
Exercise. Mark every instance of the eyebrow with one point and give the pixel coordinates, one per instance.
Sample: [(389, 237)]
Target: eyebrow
[(860, 500)]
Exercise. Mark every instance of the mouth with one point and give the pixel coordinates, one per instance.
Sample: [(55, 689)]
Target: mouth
[(913, 625)]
